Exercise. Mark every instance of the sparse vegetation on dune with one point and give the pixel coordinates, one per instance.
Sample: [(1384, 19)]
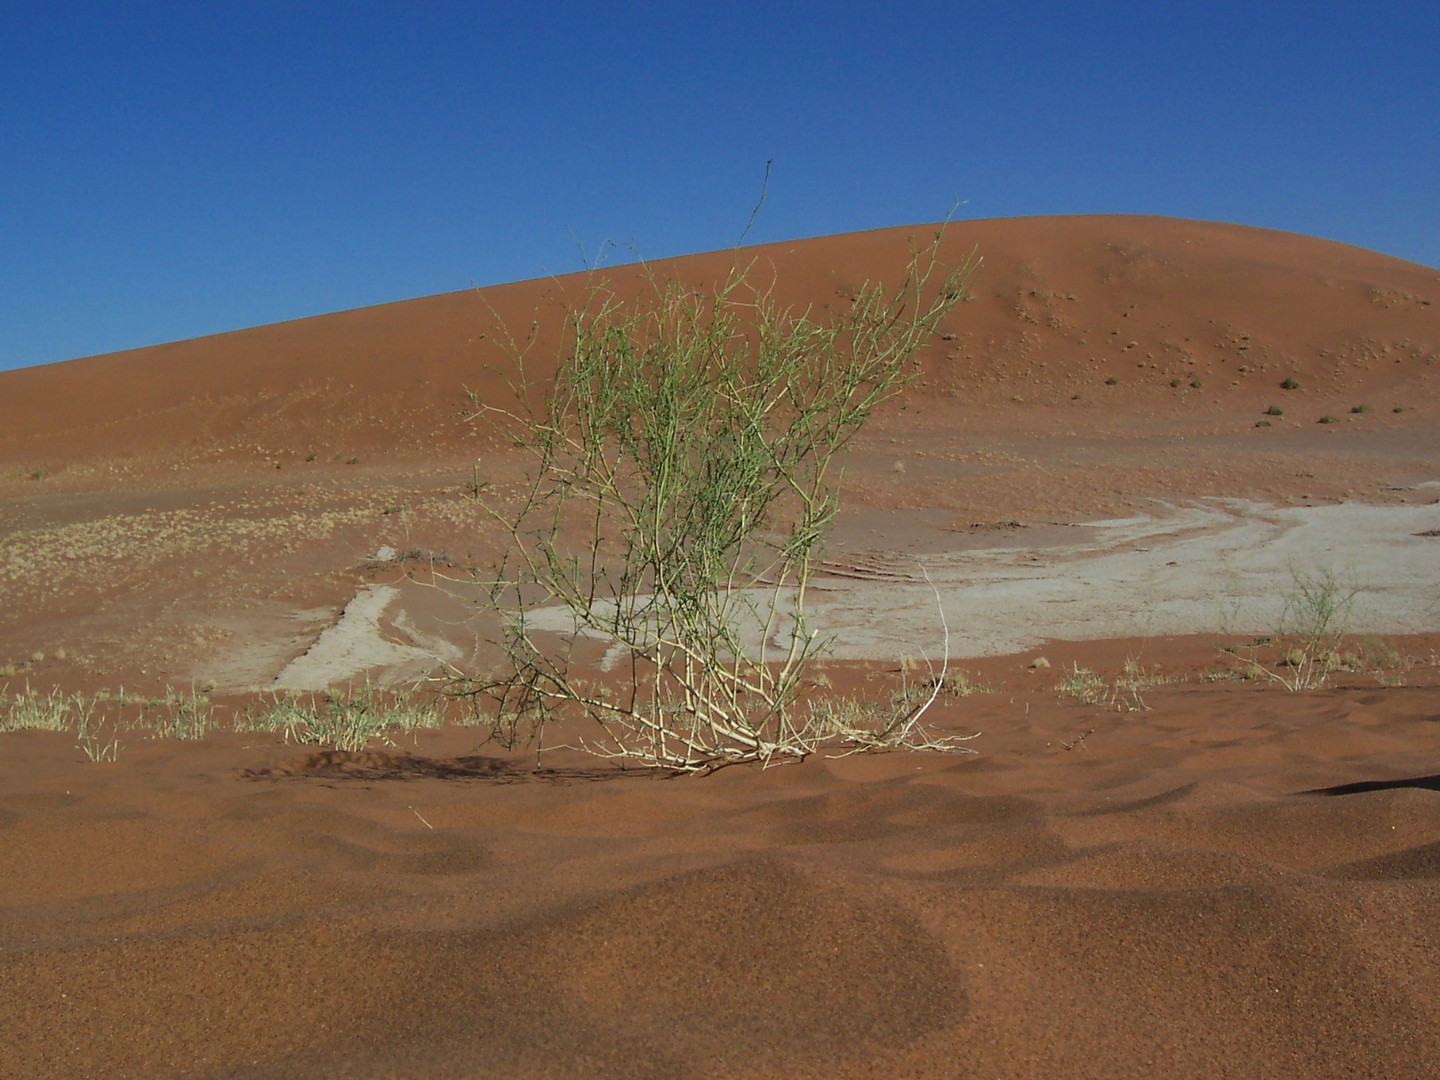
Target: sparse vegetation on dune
[(1306, 655), (1125, 692), (348, 719)]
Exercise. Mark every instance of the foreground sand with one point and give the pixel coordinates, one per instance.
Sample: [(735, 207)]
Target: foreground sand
[(1239, 881), (1234, 880)]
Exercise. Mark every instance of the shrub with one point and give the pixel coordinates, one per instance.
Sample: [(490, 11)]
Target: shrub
[(1290, 384), (689, 439), (1274, 410), (1306, 641)]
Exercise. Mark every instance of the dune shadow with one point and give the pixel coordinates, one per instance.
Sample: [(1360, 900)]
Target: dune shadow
[(1418, 863), (1425, 783), (370, 765)]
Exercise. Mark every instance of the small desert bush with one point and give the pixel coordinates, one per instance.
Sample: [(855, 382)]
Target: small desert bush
[(686, 462), (1379, 658), (1304, 647)]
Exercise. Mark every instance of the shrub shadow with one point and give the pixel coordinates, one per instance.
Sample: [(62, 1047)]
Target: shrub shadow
[(371, 765)]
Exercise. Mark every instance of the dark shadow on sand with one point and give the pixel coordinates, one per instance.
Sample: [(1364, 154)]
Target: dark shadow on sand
[(372, 765), (1425, 783)]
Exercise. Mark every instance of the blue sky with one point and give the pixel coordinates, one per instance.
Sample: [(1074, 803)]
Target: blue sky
[(171, 170)]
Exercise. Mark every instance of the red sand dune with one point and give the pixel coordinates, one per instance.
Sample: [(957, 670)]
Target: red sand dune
[(1087, 297), (1234, 881)]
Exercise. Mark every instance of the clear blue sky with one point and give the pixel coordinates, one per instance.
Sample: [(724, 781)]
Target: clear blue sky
[(169, 170)]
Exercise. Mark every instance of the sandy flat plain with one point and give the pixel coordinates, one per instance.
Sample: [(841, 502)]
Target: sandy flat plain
[(1100, 465)]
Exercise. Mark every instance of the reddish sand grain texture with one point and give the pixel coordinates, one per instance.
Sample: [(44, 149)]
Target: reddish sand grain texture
[(1234, 881)]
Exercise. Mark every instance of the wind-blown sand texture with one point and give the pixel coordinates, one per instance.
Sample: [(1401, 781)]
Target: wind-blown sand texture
[(1234, 880)]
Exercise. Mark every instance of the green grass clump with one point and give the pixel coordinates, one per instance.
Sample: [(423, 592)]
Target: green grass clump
[(29, 711), (1360, 408), (346, 720), (1274, 410), (1290, 384), (99, 743), (179, 716), (1124, 693), (1328, 418), (1080, 683)]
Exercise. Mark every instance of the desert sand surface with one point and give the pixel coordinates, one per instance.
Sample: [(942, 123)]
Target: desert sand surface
[(1114, 460)]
